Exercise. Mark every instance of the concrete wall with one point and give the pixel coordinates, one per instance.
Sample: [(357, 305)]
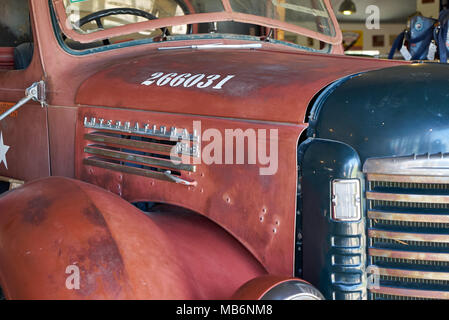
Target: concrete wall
[(386, 29), (429, 9)]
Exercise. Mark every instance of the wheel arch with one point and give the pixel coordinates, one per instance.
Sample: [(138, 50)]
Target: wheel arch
[(121, 253)]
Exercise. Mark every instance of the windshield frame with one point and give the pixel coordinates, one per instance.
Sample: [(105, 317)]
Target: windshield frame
[(227, 15)]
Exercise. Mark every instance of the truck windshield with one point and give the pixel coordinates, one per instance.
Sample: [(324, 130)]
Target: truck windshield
[(90, 18), (80, 12), (310, 14)]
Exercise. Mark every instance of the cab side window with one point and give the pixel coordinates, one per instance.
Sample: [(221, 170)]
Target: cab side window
[(16, 44)]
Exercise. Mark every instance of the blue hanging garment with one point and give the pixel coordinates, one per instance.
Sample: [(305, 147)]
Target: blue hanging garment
[(419, 39), (442, 37)]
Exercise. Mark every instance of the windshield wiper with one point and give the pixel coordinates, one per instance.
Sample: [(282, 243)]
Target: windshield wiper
[(216, 46)]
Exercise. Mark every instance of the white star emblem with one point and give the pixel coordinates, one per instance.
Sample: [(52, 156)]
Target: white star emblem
[(3, 150)]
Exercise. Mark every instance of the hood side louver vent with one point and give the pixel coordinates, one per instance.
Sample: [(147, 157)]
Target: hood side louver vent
[(146, 151)]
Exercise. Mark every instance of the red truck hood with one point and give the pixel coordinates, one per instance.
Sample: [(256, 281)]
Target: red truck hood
[(268, 85)]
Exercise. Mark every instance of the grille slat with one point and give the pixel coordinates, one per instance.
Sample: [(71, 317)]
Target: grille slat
[(120, 142), (408, 217), (410, 255), (126, 169), (137, 159), (430, 277), (406, 236), (414, 198), (411, 293), (408, 229)]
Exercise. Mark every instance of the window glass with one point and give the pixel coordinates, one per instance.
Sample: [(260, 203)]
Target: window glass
[(15, 26), (309, 14), (90, 16), (138, 11), (16, 46)]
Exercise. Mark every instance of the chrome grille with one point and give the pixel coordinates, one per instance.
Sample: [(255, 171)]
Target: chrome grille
[(379, 296), (408, 226)]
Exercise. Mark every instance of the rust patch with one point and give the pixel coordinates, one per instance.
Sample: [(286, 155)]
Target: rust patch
[(5, 106), (36, 210), (102, 268), (94, 216)]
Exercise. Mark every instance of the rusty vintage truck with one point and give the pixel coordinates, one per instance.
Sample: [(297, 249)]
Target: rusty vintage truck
[(219, 149)]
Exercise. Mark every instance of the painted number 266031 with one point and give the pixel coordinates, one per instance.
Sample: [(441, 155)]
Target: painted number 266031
[(188, 80)]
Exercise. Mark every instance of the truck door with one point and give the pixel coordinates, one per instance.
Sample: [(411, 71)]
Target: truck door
[(24, 147)]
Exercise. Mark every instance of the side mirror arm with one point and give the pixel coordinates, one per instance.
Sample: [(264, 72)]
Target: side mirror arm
[(36, 92)]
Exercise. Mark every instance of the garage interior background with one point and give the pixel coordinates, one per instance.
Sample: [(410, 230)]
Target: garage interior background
[(393, 20)]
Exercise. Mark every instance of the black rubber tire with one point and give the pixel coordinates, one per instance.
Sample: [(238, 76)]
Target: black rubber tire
[(2, 296), (4, 186)]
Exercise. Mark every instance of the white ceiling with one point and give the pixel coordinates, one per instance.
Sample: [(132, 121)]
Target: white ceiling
[(390, 10)]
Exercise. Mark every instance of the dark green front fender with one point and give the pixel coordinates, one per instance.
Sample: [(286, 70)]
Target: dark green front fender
[(333, 253)]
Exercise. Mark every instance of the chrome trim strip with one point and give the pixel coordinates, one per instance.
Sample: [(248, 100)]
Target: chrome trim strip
[(180, 180), (398, 197), (415, 274), (440, 295), (424, 237), (13, 183), (126, 169), (179, 149), (138, 159), (407, 217), (174, 134), (415, 165), (407, 179), (11, 180), (410, 255)]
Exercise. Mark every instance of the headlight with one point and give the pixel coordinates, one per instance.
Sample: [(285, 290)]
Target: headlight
[(346, 203)]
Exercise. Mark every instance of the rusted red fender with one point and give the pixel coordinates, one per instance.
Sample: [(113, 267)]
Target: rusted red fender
[(122, 253)]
